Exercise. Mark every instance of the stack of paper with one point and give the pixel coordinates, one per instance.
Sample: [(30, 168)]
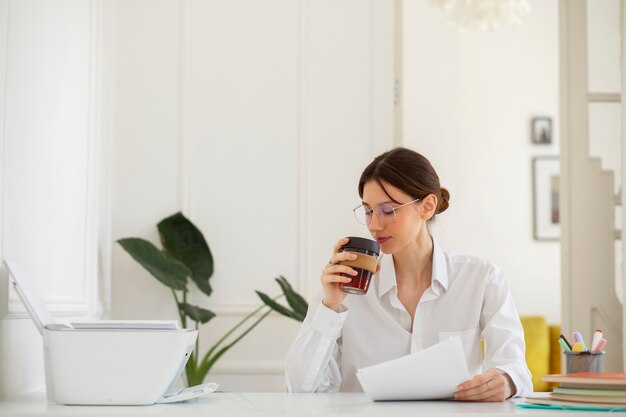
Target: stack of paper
[(585, 390), (430, 374)]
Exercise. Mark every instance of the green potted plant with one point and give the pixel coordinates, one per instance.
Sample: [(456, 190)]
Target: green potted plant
[(185, 257)]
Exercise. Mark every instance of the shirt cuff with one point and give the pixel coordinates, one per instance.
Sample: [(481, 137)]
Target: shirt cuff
[(520, 390), (327, 321)]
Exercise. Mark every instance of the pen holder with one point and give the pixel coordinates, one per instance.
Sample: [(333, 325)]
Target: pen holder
[(584, 362)]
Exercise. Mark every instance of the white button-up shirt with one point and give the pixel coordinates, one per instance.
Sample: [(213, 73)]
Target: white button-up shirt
[(468, 297)]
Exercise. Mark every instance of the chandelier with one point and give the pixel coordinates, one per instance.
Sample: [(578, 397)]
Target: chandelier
[(484, 14)]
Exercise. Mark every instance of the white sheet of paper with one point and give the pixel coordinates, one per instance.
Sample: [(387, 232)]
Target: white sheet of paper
[(430, 374)]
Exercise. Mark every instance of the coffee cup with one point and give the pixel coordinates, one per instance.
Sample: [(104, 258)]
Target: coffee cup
[(365, 264)]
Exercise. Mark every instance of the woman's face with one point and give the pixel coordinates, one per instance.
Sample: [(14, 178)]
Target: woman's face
[(393, 236)]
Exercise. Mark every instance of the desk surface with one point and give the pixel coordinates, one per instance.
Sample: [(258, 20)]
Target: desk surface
[(274, 404)]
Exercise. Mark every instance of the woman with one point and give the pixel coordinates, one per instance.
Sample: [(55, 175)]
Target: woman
[(420, 296)]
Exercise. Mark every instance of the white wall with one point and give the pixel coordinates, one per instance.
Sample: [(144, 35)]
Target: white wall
[(468, 100), (261, 116), (49, 176), (255, 119)]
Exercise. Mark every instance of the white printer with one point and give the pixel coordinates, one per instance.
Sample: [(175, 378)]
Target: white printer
[(109, 362)]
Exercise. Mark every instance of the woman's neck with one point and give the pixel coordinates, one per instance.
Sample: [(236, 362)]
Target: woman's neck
[(414, 263)]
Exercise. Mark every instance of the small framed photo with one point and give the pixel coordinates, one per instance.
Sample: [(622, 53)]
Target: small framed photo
[(546, 174), (541, 130)]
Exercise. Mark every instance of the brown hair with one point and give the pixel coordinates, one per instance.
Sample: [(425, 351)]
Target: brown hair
[(410, 172)]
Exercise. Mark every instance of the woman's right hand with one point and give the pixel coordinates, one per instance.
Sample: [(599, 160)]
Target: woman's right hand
[(331, 275)]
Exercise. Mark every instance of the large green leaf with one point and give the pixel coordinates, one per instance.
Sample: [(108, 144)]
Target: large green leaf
[(184, 241), (275, 306), (196, 313), (295, 300), (163, 267)]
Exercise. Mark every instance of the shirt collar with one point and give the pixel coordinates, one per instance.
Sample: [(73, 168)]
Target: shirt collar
[(387, 274), (440, 267)]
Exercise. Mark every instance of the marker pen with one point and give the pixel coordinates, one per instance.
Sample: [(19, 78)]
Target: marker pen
[(597, 336), (578, 338)]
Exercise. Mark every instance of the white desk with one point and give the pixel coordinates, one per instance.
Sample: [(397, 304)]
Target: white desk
[(278, 404)]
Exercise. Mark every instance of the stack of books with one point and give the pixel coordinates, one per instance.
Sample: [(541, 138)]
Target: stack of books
[(584, 391)]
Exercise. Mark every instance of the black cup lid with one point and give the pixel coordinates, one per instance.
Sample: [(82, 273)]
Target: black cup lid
[(362, 243)]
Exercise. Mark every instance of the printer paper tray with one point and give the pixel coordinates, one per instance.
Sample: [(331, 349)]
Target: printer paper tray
[(189, 393)]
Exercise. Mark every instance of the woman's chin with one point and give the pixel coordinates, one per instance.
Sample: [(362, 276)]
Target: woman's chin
[(387, 249)]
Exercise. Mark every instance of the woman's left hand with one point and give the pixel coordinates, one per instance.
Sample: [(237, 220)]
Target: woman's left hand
[(492, 385)]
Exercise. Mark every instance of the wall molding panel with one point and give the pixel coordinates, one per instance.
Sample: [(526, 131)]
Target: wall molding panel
[(375, 27), (83, 192)]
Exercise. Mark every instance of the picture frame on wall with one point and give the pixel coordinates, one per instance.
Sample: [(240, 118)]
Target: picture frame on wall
[(546, 178), (541, 130)]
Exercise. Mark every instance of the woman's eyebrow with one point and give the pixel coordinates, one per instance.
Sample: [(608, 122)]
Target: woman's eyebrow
[(383, 202)]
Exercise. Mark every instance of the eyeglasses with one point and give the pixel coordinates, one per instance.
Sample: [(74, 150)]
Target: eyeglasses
[(385, 212)]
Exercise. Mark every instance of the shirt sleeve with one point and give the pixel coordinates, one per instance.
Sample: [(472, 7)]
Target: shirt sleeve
[(313, 360), (503, 334)]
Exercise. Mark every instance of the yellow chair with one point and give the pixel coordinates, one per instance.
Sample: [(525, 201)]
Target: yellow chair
[(543, 352)]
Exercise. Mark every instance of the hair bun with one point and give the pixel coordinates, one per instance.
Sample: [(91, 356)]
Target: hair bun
[(444, 201)]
